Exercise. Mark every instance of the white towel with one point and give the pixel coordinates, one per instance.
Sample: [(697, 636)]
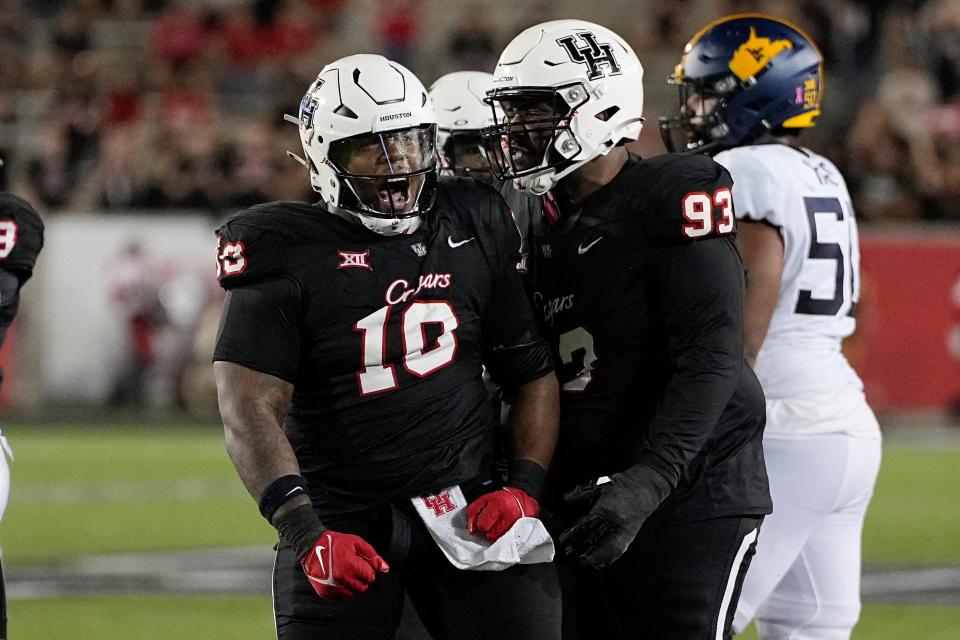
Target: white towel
[(445, 514)]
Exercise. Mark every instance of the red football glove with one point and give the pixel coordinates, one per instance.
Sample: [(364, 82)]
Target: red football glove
[(492, 514), (341, 565)]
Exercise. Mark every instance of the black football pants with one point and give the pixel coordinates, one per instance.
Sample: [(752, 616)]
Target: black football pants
[(519, 603), (678, 582)]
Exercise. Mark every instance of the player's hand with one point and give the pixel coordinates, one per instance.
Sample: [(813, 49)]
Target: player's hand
[(341, 565), (605, 533), (493, 514)]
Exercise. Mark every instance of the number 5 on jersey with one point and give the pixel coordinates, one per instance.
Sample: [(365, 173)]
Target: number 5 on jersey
[(833, 238), (698, 213)]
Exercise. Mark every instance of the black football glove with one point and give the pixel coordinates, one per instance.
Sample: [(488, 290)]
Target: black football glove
[(625, 502)]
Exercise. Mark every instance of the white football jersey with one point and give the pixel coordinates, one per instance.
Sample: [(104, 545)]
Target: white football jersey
[(804, 196)]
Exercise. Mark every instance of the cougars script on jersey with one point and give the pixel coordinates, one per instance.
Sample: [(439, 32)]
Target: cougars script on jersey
[(640, 294), (805, 197), (382, 338)]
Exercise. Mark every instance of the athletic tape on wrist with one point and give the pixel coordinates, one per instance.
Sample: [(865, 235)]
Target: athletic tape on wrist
[(300, 527), (528, 476)]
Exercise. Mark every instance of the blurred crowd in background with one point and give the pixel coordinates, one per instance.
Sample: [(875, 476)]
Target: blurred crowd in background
[(177, 104)]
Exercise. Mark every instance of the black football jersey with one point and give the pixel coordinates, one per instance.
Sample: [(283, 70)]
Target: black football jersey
[(383, 337), (21, 236), (640, 293)]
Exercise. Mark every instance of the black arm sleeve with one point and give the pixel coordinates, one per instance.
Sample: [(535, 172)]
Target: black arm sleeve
[(514, 351), (260, 328), (698, 290)]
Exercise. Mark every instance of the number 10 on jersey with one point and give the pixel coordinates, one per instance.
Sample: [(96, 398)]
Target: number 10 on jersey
[(375, 377)]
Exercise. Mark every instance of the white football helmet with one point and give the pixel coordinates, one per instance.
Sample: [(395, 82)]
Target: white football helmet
[(459, 102), (570, 91), (369, 134)]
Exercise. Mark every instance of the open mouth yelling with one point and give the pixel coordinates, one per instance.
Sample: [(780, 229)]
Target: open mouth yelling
[(395, 195)]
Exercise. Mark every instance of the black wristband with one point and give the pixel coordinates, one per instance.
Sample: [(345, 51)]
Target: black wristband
[(300, 527), (280, 491), (528, 476)]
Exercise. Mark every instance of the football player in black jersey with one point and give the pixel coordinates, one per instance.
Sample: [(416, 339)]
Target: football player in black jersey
[(458, 100), (348, 370), (21, 238), (658, 483)]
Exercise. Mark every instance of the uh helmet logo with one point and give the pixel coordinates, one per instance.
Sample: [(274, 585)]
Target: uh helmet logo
[(592, 53)]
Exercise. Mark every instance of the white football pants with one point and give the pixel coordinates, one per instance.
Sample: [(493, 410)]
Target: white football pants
[(804, 583)]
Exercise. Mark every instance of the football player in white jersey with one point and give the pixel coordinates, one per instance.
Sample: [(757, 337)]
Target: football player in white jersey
[(749, 84)]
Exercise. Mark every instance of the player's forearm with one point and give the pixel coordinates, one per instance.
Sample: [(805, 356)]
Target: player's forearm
[(260, 454), (534, 424), (761, 246), (704, 380), (701, 306)]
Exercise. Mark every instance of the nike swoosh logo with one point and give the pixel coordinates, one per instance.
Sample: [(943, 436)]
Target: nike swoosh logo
[(454, 245), (583, 249), (295, 489), (329, 581), (318, 550)]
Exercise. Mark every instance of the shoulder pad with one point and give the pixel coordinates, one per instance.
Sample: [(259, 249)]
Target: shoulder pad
[(469, 203), (755, 189), (21, 235), (691, 199), (251, 244)]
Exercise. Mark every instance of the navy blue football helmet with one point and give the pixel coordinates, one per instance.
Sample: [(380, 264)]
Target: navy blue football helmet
[(741, 77)]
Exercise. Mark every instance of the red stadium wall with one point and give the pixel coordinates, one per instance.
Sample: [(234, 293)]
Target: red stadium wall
[(908, 319)]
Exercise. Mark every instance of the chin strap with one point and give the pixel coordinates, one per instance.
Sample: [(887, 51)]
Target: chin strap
[(534, 185), (540, 183), (390, 227)]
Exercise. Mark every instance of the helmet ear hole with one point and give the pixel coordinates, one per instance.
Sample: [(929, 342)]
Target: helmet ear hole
[(607, 113)]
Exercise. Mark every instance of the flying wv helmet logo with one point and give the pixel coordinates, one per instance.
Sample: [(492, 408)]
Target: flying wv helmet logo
[(592, 53), (755, 54)]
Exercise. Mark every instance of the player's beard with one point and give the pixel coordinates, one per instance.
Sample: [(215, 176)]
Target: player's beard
[(521, 148), (527, 148)]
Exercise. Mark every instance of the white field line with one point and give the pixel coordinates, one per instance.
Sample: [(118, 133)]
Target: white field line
[(70, 493), (247, 570)]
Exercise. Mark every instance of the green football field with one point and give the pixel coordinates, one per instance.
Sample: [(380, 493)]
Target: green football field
[(83, 490)]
